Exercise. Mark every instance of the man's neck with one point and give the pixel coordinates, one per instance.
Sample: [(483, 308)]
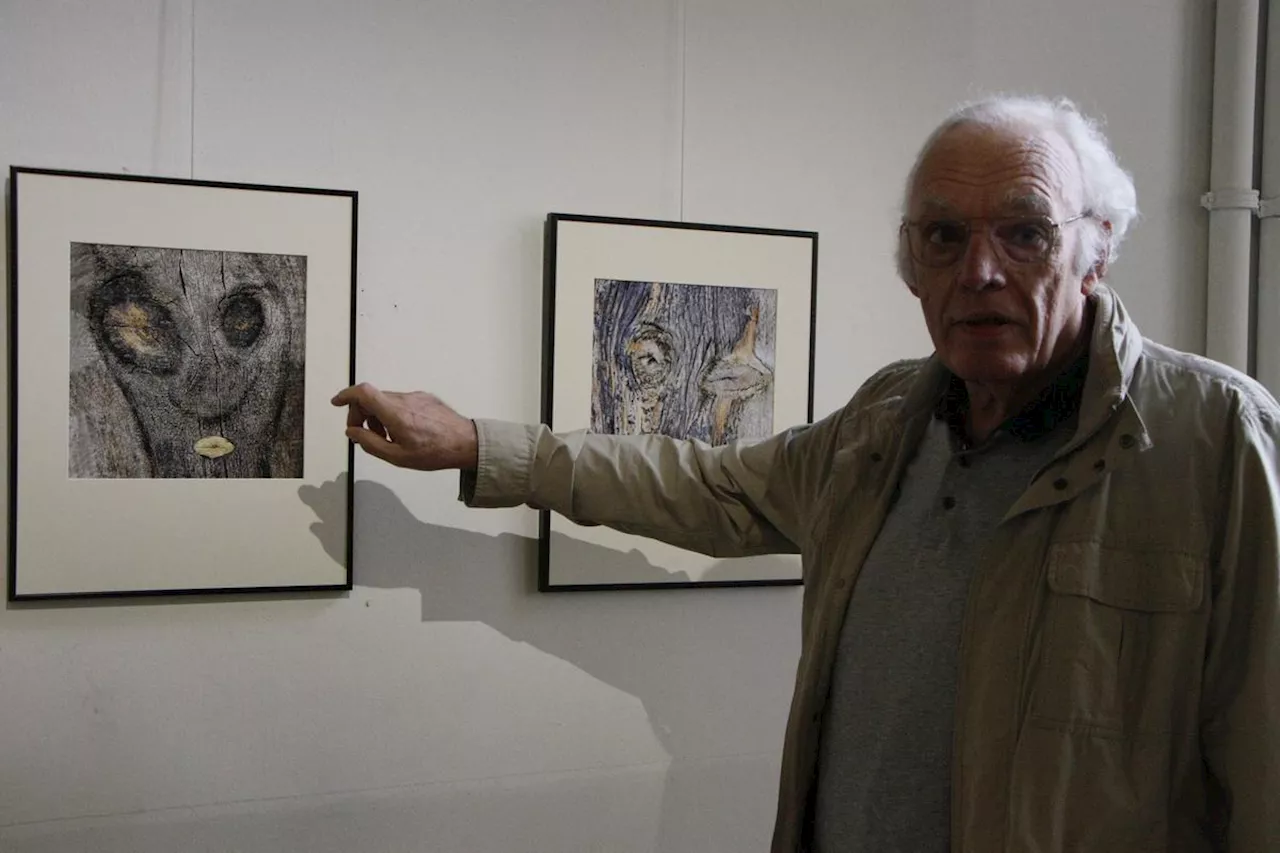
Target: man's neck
[(992, 403)]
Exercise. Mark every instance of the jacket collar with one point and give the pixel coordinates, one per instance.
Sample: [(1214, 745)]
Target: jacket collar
[(1115, 349)]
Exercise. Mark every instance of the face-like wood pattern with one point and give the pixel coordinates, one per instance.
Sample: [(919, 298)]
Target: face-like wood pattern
[(690, 361), (186, 363)]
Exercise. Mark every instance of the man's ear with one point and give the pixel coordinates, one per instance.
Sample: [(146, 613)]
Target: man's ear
[(1098, 271), (907, 264)]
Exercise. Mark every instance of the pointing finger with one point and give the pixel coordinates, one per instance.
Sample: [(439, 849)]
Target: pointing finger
[(367, 398), (345, 397)]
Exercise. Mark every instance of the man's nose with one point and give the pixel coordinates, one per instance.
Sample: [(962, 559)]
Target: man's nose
[(981, 266)]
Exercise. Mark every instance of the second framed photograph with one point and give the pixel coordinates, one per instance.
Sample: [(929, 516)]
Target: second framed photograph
[(696, 331), (173, 348)]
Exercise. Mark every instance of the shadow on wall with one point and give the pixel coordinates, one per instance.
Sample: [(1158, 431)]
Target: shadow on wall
[(695, 658)]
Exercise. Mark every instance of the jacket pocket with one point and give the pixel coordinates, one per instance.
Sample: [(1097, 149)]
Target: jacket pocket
[(1122, 646)]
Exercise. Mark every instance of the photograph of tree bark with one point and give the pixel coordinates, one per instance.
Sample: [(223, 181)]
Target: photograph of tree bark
[(685, 360), (186, 363)]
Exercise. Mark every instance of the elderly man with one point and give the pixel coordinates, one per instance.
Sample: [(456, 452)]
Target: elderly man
[(1041, 565)]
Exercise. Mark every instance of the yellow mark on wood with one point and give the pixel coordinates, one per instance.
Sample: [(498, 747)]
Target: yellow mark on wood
[(213, 446)]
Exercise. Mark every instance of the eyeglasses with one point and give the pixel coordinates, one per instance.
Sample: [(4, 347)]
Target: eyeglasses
[(1020, 239)]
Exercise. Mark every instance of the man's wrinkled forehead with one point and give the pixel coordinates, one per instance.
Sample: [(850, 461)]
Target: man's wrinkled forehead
[(1005, 172)]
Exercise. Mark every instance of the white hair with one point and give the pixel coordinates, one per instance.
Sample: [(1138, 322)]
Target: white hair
[(1109, 193)]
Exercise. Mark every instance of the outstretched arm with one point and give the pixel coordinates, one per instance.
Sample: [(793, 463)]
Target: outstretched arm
[(732, 500), (728, 501)]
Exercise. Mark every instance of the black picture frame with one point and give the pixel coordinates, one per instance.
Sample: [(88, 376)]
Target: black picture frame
[(129, 217), (624, 253)]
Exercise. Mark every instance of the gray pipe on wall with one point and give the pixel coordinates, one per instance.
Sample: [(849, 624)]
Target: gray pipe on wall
[(1232, 199), (1268, 326)]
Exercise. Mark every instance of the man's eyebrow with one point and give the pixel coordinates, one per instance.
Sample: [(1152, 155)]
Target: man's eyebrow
[(1028, 203), (936, 204), (1016, 202)]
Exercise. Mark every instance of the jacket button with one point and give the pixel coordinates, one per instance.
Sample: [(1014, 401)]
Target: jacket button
[(1127, 441), (948, 502), (876, 457), (841, 584), (1060, 483), (1100, 465)]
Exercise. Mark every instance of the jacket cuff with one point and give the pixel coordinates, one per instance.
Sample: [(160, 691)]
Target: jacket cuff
[(501, 478)]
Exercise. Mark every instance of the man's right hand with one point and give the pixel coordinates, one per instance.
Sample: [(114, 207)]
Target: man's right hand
[(409, 430)]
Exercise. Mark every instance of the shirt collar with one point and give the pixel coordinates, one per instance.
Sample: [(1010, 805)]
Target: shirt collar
[(1056, 404)]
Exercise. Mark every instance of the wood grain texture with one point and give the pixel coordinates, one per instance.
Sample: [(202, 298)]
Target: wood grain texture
[(178, 355), (685, 360)]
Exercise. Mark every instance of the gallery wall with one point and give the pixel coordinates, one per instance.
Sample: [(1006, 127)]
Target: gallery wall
[(444, 704)]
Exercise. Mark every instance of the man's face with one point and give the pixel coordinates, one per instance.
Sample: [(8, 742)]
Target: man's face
[(994, 316)]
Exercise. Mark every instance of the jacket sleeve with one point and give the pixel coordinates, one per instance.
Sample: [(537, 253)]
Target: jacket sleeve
[(1240, 730), (728, 501)]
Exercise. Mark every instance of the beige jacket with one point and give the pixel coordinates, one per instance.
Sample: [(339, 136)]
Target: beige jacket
[(1119, 685)]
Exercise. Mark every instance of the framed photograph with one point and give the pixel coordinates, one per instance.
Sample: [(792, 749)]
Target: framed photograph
[(173, 346), (700, 332)]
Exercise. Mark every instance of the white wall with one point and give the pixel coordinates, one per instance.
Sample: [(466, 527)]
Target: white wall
[(444, 705)]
